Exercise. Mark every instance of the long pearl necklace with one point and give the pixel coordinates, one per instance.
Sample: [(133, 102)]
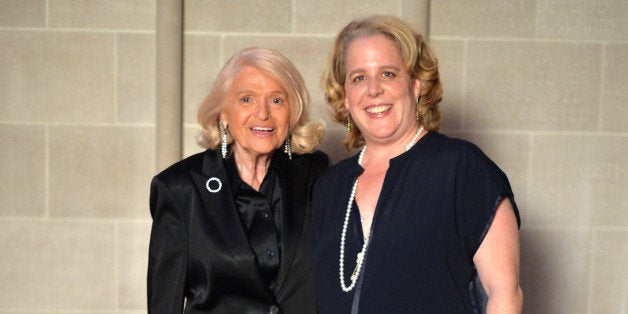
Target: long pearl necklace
[(360, 257)]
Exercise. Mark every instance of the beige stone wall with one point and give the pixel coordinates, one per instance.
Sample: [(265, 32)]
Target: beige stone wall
[(538, 85), (541, 87), (76, 153)]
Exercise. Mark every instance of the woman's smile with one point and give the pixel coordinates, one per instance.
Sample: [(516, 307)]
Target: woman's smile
[(378, 110), (262, 131)]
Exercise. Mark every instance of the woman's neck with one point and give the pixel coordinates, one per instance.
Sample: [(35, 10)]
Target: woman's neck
[(379, 153), (252, 168)]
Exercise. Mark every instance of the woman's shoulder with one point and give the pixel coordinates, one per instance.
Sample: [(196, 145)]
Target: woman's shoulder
[(340, 169), (184, 166), (452, 146), (316, 161), (463, 153), (316, 156)]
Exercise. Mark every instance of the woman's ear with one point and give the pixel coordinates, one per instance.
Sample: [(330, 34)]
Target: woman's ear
[(416, 88), (223, 120)]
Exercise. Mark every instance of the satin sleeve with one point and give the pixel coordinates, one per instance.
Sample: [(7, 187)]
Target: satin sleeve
[(167, 253)]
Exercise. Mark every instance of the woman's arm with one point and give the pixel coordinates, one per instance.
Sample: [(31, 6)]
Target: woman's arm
[(497, 262), (167, 252)]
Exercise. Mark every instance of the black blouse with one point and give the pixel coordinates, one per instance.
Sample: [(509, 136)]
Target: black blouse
[(260, 213), (435, 207)]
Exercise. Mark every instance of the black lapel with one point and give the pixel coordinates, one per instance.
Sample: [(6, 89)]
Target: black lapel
[(294, 193)]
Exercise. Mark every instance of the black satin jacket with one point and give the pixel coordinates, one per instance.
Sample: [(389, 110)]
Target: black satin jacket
[(198, 249)]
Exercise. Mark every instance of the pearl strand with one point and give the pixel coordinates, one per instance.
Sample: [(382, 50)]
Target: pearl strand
[(343, 236), (416, 136), (360, 256)]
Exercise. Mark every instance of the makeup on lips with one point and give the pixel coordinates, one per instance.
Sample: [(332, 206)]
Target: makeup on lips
[(378, 110), (262, 131)]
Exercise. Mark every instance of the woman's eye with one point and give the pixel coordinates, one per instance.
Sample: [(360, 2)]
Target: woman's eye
[(276, 100), (245, 99), (358, 78)]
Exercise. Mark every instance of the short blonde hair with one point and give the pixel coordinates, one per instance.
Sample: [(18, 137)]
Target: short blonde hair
[(305, 134), (416, 54)]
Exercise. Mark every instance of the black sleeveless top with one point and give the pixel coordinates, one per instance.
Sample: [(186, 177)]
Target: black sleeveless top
[(436, 204)]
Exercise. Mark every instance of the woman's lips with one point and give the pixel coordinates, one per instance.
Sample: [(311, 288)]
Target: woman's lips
[(262, 131), (378, 109)]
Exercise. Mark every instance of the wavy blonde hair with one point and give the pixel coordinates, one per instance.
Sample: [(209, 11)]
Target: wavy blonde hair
[(416, 54), (305, 135)]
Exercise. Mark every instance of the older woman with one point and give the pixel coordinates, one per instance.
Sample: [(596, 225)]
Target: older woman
[(408, 224), (231, 226)]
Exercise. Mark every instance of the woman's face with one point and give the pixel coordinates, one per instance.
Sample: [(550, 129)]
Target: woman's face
[(257, 113), (380, 93)]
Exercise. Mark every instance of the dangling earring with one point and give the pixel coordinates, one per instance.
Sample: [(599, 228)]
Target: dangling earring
[(349, 123), (223, 142), (417, 107), (286, 146)]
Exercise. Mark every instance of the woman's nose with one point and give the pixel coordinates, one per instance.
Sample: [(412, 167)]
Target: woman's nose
[(374, 87), (262, 111)]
